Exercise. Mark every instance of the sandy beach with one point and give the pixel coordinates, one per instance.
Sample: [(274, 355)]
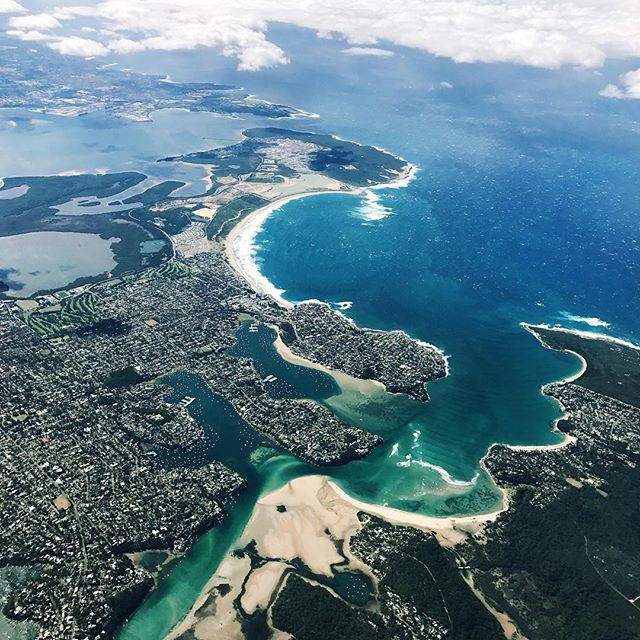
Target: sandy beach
[(301, 519), (239, 242), (239, 247), (572, 378), (449, 530), (345, 382), (313, 508)]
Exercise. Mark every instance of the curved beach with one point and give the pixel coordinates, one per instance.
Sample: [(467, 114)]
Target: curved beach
[(240, 249), (239, 244)]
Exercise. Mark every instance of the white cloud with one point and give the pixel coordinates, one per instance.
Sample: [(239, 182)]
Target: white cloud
[(34, 21), (74, 46), (368, 51), (31, 35), (10, 6), (542, 33), (125, 45), (445, 85), (629, 87)]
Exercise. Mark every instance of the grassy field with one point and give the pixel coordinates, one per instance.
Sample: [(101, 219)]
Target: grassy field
[(68, 315), (72, 313), (171, 269), (234, 211)]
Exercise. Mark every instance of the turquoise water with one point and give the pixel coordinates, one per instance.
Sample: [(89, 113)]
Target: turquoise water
[(463, 255), (229, 439), (381, 476)]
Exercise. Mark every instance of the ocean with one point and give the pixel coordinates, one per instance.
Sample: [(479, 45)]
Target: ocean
[(523, 209)]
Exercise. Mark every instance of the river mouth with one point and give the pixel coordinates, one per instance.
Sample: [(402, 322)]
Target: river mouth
[(230, 440)]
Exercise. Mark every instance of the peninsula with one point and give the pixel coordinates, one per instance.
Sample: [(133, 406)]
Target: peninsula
[(84, 411)]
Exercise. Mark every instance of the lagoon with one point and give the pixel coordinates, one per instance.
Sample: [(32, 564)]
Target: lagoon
[(46, 260)]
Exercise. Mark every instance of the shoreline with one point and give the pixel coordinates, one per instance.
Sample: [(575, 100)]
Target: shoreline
[(422, 343), (450, 530), (401, 181), (567, 438), (239, 247), (435, 524), (588, 335), (343, 380)]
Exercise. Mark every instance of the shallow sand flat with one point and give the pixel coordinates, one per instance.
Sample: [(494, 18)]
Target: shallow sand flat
[(261, 585), (316, 503), (299, 532), (218, 619), (312, 509), (301, 520)]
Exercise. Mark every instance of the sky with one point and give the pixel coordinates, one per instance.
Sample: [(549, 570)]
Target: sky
[(538, 33)]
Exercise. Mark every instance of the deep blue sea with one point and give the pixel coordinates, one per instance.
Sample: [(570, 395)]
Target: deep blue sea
[(525, 207)]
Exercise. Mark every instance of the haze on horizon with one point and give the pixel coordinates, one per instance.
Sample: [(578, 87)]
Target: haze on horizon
[(545, 33)]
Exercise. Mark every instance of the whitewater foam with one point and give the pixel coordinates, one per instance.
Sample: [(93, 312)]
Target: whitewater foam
[(591, 321), (443, 473), (371, 209)]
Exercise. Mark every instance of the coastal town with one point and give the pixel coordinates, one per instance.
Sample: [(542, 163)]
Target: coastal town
[(90, 425), (81, 409), (391, 357), (85, 414)]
